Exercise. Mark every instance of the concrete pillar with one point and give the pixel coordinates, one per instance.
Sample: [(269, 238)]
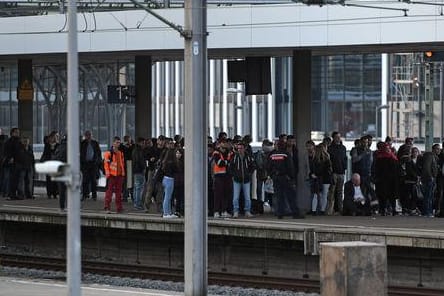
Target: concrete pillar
[(25, 97), (143, 104), (302, 119), (353, 268)]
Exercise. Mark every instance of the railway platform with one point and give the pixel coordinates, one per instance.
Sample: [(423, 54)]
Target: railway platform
[(400, 231), (262, 246), (25, 287)]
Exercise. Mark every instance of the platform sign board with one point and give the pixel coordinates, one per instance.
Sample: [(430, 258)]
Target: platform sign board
[(121, 94), (25, 91)]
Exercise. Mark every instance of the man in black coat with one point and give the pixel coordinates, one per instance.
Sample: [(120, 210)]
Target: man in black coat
[(12, 148), (338, 157), (281, 169), (90, 164), (357, 197)]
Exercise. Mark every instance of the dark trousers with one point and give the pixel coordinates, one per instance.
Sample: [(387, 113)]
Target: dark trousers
[(285, 193), (51, 187), (407, 198), (25, 184), (4, 180), (223, 192), (89, 179), (178, 195), (62, 195), (14, 176)]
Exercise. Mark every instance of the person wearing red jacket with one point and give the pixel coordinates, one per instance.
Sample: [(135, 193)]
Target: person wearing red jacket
[(113, 163)]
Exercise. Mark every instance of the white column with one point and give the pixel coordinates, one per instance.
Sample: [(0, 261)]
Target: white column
[(211, 94), (384, 93), (176, 97), (271, 104), (157, 98), (224, 96), (167, 99), (254, 122), (239, 111), (270, 116)]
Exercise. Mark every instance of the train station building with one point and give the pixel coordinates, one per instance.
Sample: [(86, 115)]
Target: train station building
[(371, 83)]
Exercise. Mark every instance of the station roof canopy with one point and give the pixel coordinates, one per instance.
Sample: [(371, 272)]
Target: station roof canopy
[(14, 8)]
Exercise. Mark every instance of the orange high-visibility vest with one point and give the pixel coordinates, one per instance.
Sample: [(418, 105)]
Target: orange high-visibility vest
[(220, 169), (114, 166)]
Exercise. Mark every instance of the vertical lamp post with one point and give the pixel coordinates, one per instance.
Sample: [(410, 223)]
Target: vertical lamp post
[(196, 148), (73, 241)]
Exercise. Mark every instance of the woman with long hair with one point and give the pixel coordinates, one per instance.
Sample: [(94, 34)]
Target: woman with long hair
[(320, 176), (49, 153), (169, 168), (179, 182)]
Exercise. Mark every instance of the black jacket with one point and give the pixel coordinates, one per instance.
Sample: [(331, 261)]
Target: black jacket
[(241, 168), (280, 164), (353, 208), (139, 160), (338, 157), (97, 159), (13, 146)]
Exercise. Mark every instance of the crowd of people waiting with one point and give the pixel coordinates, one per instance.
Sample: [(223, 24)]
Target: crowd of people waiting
[(150, 172)]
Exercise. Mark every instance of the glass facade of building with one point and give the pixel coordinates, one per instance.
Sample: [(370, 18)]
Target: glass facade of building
[(346, 89), (346, 92)]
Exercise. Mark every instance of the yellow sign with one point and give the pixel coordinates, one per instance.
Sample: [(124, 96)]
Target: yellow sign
[(25, 92)]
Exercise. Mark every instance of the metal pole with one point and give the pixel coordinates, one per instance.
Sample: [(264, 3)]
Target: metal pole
[(73, 191), (441, 101), (195, 148), (376, 123), (428, 85)]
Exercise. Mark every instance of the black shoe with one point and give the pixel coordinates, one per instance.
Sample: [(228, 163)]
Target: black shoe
[(298, 216), (280, 217)]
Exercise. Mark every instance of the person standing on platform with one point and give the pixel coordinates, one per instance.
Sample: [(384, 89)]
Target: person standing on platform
[(440, 201), (385, 172), (90, 165), (179, 183), (338, 157), (428, 166), (113, 163), (223, 182), (61, 154), (26, 167), (320, 178), (169, 168), (127, 149), (281, 169), (241, 168), (51, 143), (210, 195), (139, 166), (4, 172), (11, 160), (293, 153)]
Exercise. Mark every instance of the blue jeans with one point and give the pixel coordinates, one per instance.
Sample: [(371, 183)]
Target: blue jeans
[(139, 182), (236, 192), (429, 189), (168, 187)]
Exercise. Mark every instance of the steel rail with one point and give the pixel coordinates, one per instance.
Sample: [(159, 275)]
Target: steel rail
[(176, 274)]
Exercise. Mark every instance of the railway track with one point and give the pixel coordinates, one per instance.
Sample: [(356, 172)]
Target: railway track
[(176, 274)]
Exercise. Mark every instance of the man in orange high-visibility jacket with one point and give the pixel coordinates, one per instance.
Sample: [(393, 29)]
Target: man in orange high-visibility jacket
[(113, 163)]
